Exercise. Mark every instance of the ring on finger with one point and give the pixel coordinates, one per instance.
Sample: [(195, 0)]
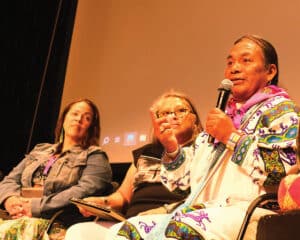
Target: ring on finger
[(161, 129)]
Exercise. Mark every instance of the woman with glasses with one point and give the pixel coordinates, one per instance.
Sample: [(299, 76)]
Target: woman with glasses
[(253, 149), (141, 191)]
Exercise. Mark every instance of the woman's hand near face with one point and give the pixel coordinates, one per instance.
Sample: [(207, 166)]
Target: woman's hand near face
[(219, 125), (164, 132)]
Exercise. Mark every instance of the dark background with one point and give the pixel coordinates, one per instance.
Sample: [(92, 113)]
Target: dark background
[(36, 39)]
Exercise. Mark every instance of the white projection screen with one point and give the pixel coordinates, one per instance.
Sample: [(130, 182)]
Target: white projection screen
[(126, 53)]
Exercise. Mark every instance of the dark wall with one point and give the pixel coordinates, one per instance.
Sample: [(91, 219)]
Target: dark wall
[(37, 36)]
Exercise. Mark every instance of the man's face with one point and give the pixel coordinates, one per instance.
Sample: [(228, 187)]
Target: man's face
[(247, 70)]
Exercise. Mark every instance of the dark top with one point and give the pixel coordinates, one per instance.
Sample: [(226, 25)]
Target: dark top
[(149, 192)]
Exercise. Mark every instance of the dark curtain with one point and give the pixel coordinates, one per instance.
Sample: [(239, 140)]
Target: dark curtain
[(36, 39)]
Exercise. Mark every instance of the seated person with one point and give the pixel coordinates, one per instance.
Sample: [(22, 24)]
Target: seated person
[(141, 188), (254, 148), (74, 166)]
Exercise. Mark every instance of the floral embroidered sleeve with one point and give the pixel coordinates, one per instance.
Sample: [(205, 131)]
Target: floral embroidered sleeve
[(266, 150), (175, 175)]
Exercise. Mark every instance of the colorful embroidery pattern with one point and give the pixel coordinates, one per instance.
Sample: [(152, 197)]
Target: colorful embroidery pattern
[(281, 133), (176, 163), (241, 150), (278, 111), (273, 166), (147, 228), (180, 230), (179, 183), (24, 228), (192, 208), (197, 216), (129, 231)]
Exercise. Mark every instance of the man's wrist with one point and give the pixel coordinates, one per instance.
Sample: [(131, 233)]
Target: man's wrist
[(233, 140)]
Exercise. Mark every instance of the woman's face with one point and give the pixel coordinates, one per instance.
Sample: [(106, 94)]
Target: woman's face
[(247, 70), (77, 121), (179, 115)]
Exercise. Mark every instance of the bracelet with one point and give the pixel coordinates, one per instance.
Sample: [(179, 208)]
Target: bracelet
[(173, 154), (232, 141)]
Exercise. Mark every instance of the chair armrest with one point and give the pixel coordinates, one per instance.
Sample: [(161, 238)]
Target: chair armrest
[(279, 226)]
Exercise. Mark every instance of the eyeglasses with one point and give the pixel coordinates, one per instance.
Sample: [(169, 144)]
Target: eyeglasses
[(180, 113)]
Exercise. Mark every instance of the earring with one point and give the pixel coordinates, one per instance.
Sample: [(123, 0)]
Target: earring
[(62, 135)]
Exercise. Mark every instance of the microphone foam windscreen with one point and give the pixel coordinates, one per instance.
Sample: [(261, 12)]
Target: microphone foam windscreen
[(226, 84)]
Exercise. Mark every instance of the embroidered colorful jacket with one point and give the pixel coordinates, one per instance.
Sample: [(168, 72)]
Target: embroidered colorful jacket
[(263, 155), (224, 182)]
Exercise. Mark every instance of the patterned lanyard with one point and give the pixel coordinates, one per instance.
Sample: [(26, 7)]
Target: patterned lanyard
[(158, 233), (50, 162)]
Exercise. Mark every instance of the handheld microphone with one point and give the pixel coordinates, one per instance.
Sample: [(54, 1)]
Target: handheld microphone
[(224, 92)]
